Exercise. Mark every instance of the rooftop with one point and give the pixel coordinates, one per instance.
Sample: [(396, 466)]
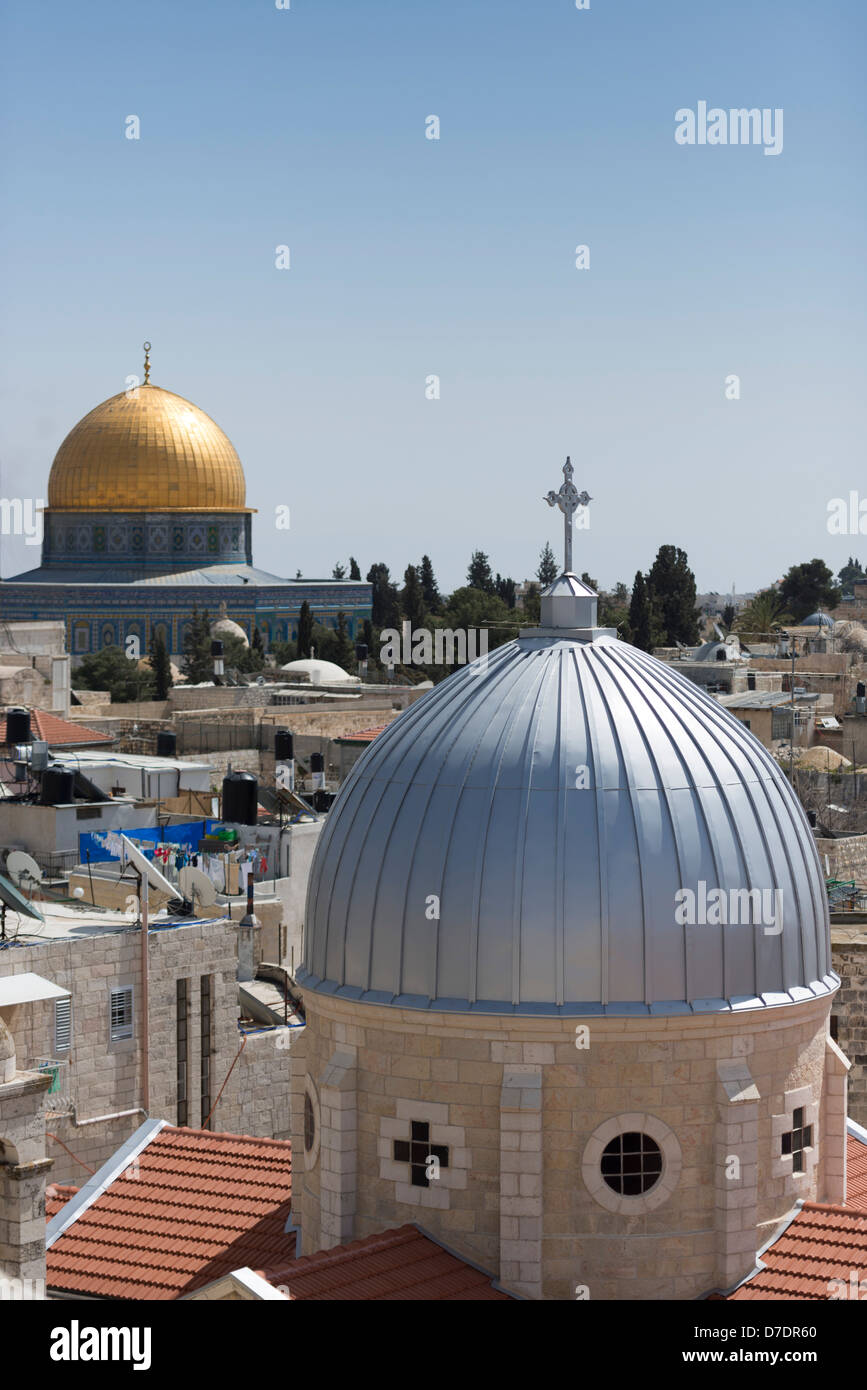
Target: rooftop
[(764, 699), (58, 732), (402, 1264), (362, 735), (172, 1210), (821, 1246)]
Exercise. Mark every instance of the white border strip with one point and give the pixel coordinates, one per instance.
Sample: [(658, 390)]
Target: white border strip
[(102, 1179)]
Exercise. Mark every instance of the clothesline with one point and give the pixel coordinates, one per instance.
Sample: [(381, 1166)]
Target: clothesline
[(229, 871)]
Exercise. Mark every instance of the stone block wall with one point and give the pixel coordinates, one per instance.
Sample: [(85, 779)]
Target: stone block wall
[(101, 1077), (850, 1011), (536, 1222), (847, 857)]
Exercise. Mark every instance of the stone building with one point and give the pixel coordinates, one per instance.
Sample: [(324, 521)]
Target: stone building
[(23, 1161), (110, 1066), (567, 977)]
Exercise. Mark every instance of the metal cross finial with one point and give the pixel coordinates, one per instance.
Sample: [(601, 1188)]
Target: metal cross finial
[(147, 369), (568, 499)]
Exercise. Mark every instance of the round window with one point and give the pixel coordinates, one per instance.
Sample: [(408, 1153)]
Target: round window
[(631, 1163), (309, 1122)]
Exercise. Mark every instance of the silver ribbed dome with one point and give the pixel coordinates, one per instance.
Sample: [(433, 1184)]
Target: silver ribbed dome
[(557, 890)]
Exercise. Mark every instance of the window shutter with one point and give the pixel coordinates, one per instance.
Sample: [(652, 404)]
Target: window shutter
[(62, 1024)]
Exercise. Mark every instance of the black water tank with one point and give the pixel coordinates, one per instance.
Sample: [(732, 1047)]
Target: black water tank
[(860, 691), (216, 647), (241, 798), (18, 726), (283, 746), (317, 762), (57, 787), (360, 651), (167, 743)]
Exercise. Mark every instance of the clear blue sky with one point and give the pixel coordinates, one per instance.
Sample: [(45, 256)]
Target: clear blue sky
[(305, 126)]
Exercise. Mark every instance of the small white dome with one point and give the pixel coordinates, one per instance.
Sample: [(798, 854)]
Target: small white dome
[(225, 627), (319, 672)]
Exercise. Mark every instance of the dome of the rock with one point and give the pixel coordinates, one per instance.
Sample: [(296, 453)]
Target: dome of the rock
[(146, 450)]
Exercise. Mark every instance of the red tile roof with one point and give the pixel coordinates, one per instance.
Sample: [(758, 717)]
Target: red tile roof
[(57, 1194), (856, 1172), (193, 1207), (821, 1245), (401, 1264), (362, 736), (58, 732)]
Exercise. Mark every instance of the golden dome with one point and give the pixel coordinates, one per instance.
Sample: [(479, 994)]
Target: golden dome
[(146, 450)]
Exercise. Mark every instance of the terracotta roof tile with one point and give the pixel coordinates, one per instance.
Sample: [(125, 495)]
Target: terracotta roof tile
[(822, 1244), (856, 1172), (56, 1196), (58, 732), (400, 1264), (199, 1206), (362, 735)]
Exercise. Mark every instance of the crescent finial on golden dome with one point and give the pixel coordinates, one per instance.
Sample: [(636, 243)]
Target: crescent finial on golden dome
[(147, 363)]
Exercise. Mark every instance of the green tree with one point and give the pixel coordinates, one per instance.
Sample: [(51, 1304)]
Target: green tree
[(472, 607), (385, 609), (548, 568), (671, 584), (641, 615), (124, 678), (198, 664), (239, 656), (412, 597), (160, 664), (614, 611), (765, 612), (728, 616), (305, 631), (479, 573), (850, 574), (430, 592), (808, 587), (258, 645), (354, 571), (344, 646), (283, 651), (505, 589), (532, 606), (339, 572)]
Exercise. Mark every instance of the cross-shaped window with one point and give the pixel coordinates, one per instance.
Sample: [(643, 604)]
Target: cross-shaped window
[(798, 1140), (417, 1151)]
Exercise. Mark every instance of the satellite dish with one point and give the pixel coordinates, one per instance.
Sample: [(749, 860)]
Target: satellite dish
[(197, 886), (144, 866), (10, 897), (22, 870)]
